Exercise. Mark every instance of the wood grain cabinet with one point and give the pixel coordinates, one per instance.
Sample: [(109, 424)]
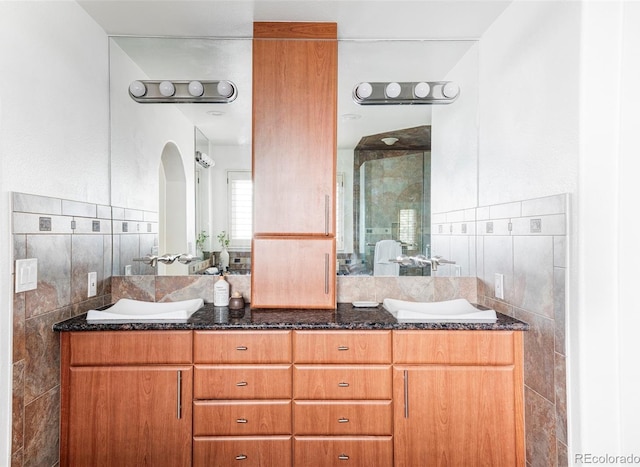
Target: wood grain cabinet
[(342, 389), (242, 398), (294, 165), (126, 399), (458, 398)]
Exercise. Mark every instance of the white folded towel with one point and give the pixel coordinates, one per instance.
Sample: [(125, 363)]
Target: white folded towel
[(386, 250)]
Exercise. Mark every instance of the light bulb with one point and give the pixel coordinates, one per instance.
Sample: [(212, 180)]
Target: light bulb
[(167, 89), (364, 90), (137, 88), (196, 89), (392, 90), (225, 88), (421, 90), (450, 90)]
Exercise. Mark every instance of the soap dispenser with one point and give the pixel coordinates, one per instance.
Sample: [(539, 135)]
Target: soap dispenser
[(221, 292)]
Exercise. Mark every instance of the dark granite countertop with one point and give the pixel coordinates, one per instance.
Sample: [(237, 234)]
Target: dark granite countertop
[(346, 316)]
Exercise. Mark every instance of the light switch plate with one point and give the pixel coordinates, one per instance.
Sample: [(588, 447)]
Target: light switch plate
[(499, 286), (92, 284), (26, 274)]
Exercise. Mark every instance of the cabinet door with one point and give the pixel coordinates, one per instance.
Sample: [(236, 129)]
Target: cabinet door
[(130, 416), (293, 273), (294, 132), (455, 415)]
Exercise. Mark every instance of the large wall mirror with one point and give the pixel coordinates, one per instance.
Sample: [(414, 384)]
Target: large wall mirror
[(385, 192)]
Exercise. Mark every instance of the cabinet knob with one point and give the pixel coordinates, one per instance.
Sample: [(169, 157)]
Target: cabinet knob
[(343, 457), (343, 385), (343, 347), (343, 420), (242, 383), (242, 347), (241, 420), (241, 457)]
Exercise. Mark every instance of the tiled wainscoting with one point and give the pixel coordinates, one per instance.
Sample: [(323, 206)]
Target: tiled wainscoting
[(526, 242)]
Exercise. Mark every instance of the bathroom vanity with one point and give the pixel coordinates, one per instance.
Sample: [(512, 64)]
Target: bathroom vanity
[(292, 387)]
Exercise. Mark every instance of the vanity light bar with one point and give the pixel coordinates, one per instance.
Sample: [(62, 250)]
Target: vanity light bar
[(183, 92), (423, 92)]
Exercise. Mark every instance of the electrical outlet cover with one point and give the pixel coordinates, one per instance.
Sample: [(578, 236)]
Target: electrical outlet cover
[(26, 274), (499, 286)]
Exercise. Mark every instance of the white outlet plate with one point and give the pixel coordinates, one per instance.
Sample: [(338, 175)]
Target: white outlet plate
[(26, 274), (499, 286), (92, 284)]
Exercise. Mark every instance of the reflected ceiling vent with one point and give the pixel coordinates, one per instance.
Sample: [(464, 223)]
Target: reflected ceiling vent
[(204, 160), (183, 92), (394, 93)]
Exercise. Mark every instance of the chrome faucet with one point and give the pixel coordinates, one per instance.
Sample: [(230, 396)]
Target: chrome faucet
[(421, 261), (152, 260)]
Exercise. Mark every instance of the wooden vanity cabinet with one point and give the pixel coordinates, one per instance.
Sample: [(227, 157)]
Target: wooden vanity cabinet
[(294, 165), (342, 407), (458, 398), (126, 398), (242, 398)]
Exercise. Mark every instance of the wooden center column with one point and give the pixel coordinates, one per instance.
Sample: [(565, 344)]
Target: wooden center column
[(294, 165)]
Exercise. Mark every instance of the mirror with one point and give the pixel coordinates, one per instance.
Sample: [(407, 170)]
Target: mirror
[(448, 152)]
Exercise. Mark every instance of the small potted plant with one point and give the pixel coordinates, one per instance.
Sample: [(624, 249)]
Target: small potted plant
[(223, 239), (201, 239)]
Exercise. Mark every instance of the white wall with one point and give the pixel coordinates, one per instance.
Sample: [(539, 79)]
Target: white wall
[(54, 131)]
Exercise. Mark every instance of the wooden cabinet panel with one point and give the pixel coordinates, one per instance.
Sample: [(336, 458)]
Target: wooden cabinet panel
[(130, 348), (227, 418), (128, 416), (457, 415), (454, 347), (344, 450), (342, 346), (343, 418), (342, 382), (294, 135), (293, 273), (242, 382), (251, 451), (242, 347)]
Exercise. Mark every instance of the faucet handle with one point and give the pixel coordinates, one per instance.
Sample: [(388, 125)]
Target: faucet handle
[(404, 260)]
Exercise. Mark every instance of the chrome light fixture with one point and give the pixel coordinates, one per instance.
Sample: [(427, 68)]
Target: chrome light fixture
[(423, 92), (183, 92)]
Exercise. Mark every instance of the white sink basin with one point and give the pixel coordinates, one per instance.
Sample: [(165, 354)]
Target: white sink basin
[(448, 311), (136, 311)]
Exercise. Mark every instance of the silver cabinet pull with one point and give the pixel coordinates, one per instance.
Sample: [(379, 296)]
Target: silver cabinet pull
[(343, 385), (343, 420), (241, 420), (343, 457), (179, 396), (406, 393), (242, 347), (327, 205), (343, 347), (241, 457), (326, 273), (242, 383)]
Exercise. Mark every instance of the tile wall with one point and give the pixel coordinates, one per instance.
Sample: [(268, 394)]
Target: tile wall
[(525, 242), (69, 239)]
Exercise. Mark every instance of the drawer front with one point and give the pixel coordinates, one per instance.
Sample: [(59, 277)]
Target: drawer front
[(342, 451), (454, 347), (242, 382), (342, 347), (343, 418), (342, 382), (242, 347), (242, 451), (228, 418), (130, 348)]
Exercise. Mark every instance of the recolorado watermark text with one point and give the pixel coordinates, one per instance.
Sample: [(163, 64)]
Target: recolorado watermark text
[(607, 459)]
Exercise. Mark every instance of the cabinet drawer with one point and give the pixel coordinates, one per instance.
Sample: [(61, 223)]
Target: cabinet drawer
[(243, 451), (454, 347), (227, 418), (130, 348), (344, 450), (343, 418), (242, 382), (242, 347), (341, 382), (342, 346)]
